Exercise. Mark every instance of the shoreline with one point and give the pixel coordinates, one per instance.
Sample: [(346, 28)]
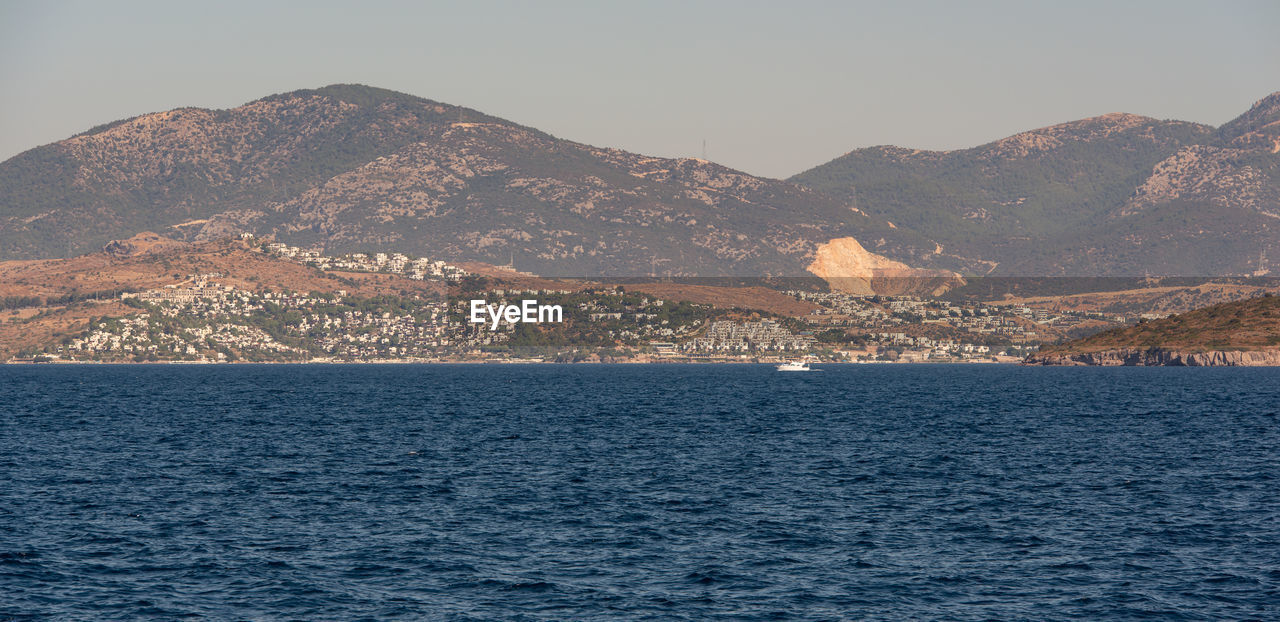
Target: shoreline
[(496, 362), (1158, 357)]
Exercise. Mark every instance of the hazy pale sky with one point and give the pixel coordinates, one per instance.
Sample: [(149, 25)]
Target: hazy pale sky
[(774, 88)]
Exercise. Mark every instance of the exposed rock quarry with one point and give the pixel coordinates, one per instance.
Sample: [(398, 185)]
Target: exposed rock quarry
[(848, 267)]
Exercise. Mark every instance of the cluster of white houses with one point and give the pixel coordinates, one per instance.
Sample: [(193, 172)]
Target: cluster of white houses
[(200, 287), (203, 320), (419, 269), (134, 337), (878, 314), (739, 337)]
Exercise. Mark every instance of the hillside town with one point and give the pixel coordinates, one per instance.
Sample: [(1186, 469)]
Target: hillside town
[(765, 336), (416, 268), (204, 320), (980, 322)]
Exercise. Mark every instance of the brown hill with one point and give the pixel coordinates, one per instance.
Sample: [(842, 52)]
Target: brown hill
[(1212, 335), (166, 262), (44, 300), (143, 243), (1158, 299), (48, 298)]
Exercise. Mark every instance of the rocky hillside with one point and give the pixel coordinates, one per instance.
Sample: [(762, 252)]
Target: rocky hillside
[(351, 168), (348, 168), (42, 301), (1245, 332), (1118, 195)]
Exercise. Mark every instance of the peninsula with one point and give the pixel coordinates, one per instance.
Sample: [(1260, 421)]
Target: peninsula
[(1244, 332)]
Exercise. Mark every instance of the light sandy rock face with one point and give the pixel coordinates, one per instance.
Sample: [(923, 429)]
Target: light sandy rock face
[(848, 267), (846, 258)]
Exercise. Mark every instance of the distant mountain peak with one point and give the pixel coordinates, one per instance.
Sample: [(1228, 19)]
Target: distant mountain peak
[(1110, 119), (1116, 194), (349, 167), (1263, 118), (1269, 102), (358, 94), (1042, 139)]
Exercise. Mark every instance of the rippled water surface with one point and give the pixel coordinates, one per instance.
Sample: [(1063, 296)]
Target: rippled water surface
[(638, 492)]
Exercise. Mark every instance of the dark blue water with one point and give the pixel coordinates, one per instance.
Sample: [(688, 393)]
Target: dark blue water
[(638, 492)]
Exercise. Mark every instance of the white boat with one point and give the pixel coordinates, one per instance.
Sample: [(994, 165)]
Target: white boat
[(794, 366)]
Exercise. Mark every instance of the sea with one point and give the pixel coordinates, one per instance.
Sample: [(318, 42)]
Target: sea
[(638, 492)]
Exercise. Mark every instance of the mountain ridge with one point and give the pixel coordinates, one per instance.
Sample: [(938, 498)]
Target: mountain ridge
[(349, 167), (1113, 195)]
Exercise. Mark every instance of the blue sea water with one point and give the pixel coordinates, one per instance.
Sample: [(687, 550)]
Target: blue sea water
[(543, 492)]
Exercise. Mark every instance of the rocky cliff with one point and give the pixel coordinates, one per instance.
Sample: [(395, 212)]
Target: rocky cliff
[(1243, 332), (1161, 357), (848, 267)]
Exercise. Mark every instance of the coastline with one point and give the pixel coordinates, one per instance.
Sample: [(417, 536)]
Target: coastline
[(502, 362), (1159, 357)]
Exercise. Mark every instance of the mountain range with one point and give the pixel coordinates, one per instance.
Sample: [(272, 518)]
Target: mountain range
[(1113, 195), (353, 168)]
